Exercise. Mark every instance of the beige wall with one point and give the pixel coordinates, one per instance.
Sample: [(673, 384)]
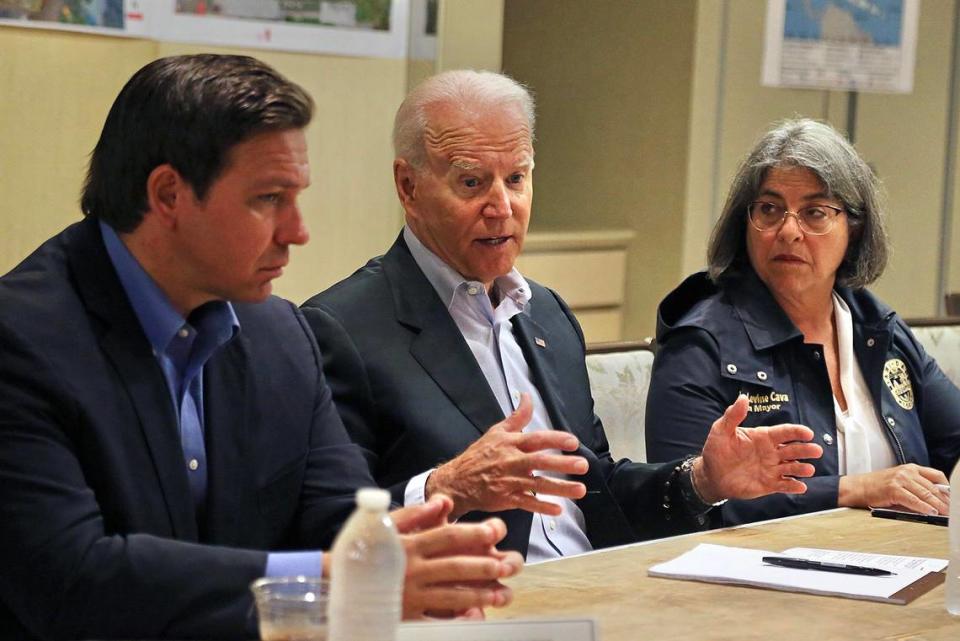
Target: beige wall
[(903, 136), (469, 34), (64, 85), (612, 82), (56, 88), (646, 109), (730, 110)]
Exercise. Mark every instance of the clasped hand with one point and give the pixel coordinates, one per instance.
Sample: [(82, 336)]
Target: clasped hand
[(452, 569), (497, 471), (909, 486)]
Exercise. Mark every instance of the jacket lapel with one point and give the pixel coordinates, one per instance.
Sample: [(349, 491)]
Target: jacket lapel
[(438, 346), (138, 372), (535, 343), (874, 325), (227, 394)]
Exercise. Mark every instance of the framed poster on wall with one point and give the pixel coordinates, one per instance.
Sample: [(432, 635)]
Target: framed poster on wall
[(370, 28), (847, 45), (105, 17)]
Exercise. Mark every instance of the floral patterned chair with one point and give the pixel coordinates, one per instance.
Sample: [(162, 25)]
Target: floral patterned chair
[(619, 380), (941, 338)]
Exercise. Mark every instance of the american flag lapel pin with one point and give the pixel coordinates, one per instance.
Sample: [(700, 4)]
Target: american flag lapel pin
[(540, 342)]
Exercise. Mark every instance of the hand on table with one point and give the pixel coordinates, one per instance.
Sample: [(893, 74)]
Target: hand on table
[(744, 463), (496, 472), (452, 569), (911, 486)]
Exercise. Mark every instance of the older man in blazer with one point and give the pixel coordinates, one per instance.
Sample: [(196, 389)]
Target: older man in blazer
[(455, 374), (166, 434)]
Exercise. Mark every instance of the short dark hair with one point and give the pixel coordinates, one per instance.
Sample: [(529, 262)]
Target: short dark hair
[(188, 111), (816, 146)]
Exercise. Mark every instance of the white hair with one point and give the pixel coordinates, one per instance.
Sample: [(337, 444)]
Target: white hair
[(476, 90)]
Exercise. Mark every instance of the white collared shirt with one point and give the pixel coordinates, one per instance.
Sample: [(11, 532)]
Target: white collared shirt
[(862, 445), (489, 334)]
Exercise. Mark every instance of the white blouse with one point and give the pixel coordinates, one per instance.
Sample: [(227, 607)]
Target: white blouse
[(861, 444)]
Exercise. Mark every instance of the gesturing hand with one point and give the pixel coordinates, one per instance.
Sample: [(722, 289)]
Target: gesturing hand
[(745, 463), (911, 486), (496, 472), (452, 569)]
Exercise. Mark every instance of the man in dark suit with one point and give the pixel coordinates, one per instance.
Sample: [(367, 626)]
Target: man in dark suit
[(166, 433), (429, 346)]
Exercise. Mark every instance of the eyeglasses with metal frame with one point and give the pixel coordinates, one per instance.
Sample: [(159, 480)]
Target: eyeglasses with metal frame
[(816, 220)]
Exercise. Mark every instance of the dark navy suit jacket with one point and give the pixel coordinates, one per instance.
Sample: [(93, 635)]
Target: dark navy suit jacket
[(412, 396), (98, 536)]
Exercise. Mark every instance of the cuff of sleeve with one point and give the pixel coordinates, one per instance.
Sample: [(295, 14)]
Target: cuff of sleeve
[(681, 497), (294, 564), (692, 499), (416, 491)]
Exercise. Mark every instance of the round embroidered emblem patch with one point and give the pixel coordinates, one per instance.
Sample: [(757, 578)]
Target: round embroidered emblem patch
[(897, 379)]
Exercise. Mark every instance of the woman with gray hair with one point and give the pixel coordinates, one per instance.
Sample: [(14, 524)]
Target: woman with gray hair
[(782, 316)]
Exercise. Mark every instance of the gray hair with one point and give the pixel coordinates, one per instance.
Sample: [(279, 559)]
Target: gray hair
[(820, 148), (475, 90)]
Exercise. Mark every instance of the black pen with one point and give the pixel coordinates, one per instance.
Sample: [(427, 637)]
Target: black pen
[(916, 517), (823, 566)]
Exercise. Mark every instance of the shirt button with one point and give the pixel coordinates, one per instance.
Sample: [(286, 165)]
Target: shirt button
[(762, 376), (731, 368), (828, 439), (552, 524), (816, 356), (183, 333), (193, 464), (871, 342), (890, 421), (472, 290), (515, 395)]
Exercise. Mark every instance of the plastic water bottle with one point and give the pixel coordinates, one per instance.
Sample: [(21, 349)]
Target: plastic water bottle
[(953, 571), (366, 582)]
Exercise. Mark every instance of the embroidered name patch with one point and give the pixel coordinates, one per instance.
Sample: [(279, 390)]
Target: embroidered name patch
[(897, 380), (767, 402)]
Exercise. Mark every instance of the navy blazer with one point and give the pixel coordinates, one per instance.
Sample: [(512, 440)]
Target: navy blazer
[(716, 342), (412, 395), (98, 536)]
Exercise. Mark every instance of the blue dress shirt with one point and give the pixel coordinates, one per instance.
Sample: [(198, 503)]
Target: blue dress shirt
[(182, 347)]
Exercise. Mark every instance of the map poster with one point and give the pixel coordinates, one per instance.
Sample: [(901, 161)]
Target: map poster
[(848, 45), (372, 28), (111, 17)]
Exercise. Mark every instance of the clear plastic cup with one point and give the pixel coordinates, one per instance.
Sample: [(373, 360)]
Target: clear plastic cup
[(292, 608)]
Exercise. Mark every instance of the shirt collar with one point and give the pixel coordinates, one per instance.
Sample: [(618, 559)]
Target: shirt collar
[(446, 280), (763, 319), (159, 320)]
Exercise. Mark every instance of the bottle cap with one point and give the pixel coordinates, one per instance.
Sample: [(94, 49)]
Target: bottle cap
[(373, 499)]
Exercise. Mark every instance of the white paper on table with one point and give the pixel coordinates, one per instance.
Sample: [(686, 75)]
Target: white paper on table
[(725, 564)]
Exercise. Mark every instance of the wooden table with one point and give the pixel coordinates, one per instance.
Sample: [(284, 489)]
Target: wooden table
[(612, 586)]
